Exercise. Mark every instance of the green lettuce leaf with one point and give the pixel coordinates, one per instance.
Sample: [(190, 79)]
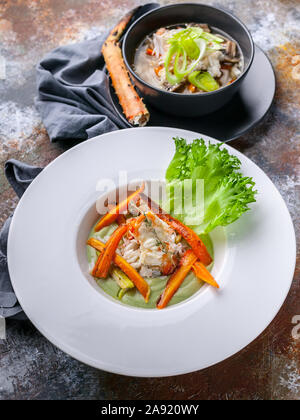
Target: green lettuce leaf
[(218, 194)]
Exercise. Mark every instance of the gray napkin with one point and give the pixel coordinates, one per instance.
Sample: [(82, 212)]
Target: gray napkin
[(73, 97), (20, 176)]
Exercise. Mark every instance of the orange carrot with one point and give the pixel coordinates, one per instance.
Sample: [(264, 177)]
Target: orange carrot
[(158, 69), (94, 243), (190, 236), (203, 274), (149, 51), (140, 283), (109, 251), (99, 246), (135, 223), (112, 215), (121, 219), (177, 279), (168, 264), (192, 88), (94, 271), (134, 276)]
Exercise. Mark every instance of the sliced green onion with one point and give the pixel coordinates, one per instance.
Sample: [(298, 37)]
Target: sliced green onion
[(122, 280), (211, 37), (122, 292), (202, 49), (172, 78), (191, 48), (203, 81), (179, 70), (187, 33), (191, 43), (197, 31), (213, 46)]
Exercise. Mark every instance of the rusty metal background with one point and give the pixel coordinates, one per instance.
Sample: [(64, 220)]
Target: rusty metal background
[(30, 367)]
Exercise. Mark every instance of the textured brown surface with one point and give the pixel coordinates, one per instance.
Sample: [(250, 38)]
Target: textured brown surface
[(31, 368)]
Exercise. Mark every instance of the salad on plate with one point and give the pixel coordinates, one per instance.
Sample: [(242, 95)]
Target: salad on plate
[(153, 255)]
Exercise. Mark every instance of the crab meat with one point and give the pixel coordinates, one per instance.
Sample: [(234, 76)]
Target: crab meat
[(152, 247)]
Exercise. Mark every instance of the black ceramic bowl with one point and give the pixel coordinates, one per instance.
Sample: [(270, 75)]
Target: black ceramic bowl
[(177, 103)]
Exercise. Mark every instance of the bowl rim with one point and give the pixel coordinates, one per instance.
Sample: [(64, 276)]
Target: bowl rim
[(184, 95)]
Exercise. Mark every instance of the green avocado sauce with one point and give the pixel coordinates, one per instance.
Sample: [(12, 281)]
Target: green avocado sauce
[(133, 297)]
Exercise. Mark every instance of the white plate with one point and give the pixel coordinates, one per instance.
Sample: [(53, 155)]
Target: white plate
[(47, 264)]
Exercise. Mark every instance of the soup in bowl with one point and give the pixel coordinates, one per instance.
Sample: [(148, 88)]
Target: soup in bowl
[(188, 59)]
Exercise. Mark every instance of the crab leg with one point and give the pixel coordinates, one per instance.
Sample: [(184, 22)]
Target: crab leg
[(132, 105)]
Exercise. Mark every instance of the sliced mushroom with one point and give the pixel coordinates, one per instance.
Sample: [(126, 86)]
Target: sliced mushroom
[(179, 88), (228, 59), (203, 26), (224, 79), (235, 71), (231, 49)]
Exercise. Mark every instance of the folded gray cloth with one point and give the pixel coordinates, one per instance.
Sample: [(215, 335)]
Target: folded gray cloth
[(20, 176), (73, 97)]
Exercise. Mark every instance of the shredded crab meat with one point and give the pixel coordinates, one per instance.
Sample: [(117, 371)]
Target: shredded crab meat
[(152, 247), (214, 66), (161, 45), (130, 250)]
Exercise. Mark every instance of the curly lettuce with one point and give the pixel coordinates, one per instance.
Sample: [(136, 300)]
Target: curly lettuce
[(210, 171)]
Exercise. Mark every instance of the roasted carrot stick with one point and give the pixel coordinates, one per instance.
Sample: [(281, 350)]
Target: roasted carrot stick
[(140, 283), (190, 236), (109, 251), (203, 274), (95, 243), (177, 278), (121, 219), (113, 213), (133, 106), (94, 271), (99, 246), (187, 233), (134, 276)]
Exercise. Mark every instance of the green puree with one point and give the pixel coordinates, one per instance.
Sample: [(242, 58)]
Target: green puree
[(133, 298)]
